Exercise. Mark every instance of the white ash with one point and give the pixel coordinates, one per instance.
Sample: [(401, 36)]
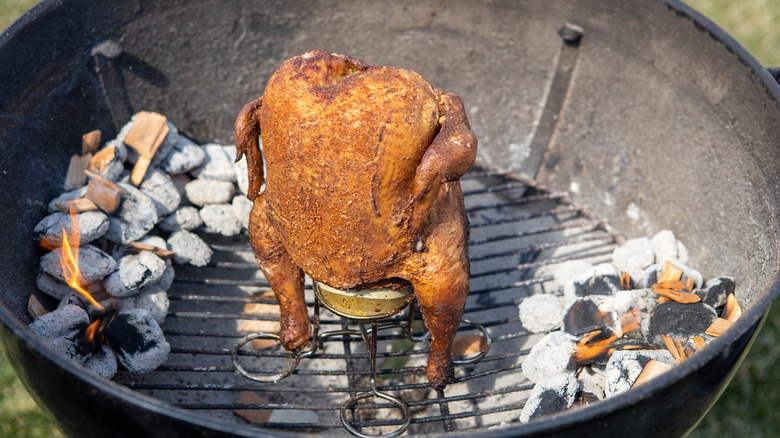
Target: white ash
[(189, 249), (136, 216), (154, 302), (593, 381), (158, 186), (202, 191), (220, 218), (218, 165), (103, 362), (184, 218), (67, 196), (634, 256), (59, 289), (541, 313), (602, 279), (137, 340), (680, 321), (569, 270), (667, 248), (716, 291), (134, 272), (94, 264), (185, 156), (550, 356), (624, 367), (92, 225), (65, 321), (242, 208), (550, 396), (649, 277)]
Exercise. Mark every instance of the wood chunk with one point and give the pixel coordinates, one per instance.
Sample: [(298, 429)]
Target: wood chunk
[(669, 272), (101, 158), (672, 347), (718, 327), (689, 284), (104, 193), (90, 142), (732, 311), (252, 415), (680, 297), (466, 345), (261, 326), (136, 247), (76, 177), (652, 369), (79, 205), (35, 308), (145, 136), (675, 285)]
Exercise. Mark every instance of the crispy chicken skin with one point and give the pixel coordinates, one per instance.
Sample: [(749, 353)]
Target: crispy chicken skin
[(361, 189)]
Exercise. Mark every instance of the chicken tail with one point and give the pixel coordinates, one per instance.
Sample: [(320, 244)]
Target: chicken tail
[(247, 134)]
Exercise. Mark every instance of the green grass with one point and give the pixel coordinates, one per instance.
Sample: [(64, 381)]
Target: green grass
[(748, 407)]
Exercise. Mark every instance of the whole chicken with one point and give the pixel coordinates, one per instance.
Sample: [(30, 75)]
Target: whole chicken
[(362, 168)]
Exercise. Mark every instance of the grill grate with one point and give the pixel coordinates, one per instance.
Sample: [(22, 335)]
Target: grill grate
[(519, 232)]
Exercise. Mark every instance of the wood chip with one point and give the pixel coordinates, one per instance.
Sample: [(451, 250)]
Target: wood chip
[(466, 345), (145, 136), (261, 326), (700, 343), (136, 247), (626, 283), (653, 368), (101, 158), (76, 177), (252, 415), (35, 308), (104, 193), (689, 284), (680, 297), (90, 142), (669, 272), (675, 285), (79, 205), (732, 311), (672, 347), (718, 327)]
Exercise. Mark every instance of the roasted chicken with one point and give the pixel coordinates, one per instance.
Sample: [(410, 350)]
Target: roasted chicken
[(362, 168)]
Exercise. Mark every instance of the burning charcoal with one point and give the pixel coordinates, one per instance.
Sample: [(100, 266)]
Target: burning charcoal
[(65, 197), (185, 156), (202, 192), (634, 256), (583, 315), (220, 218), (66, 321), (189, 248), (649, 277), (136, 217), (716, 290), (603, 279), (550, 396), (59, 289), (680, 320), (667, 248), (73, 299), (160, 188), (625, 366), (550, 356), (91, 224), (93, 263), (541, 313), (568, 271), (592, 381), (134, 272), (154, 302), (184, 218), (218, 165), (242, 207), (623, 301), (103, 362), (138, 341)]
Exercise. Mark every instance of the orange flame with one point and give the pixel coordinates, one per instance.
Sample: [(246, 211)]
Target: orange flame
[(70, 258)]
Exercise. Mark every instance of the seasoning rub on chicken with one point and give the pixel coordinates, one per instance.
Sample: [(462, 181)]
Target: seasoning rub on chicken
[(362, 168)]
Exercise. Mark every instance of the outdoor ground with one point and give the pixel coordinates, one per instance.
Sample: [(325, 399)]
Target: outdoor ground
[(748, 407)]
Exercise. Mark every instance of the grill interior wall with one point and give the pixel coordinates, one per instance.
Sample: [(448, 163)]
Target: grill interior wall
[(518, 235)]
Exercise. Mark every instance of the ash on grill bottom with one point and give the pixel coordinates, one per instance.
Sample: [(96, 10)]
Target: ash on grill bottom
[(519, 234)]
